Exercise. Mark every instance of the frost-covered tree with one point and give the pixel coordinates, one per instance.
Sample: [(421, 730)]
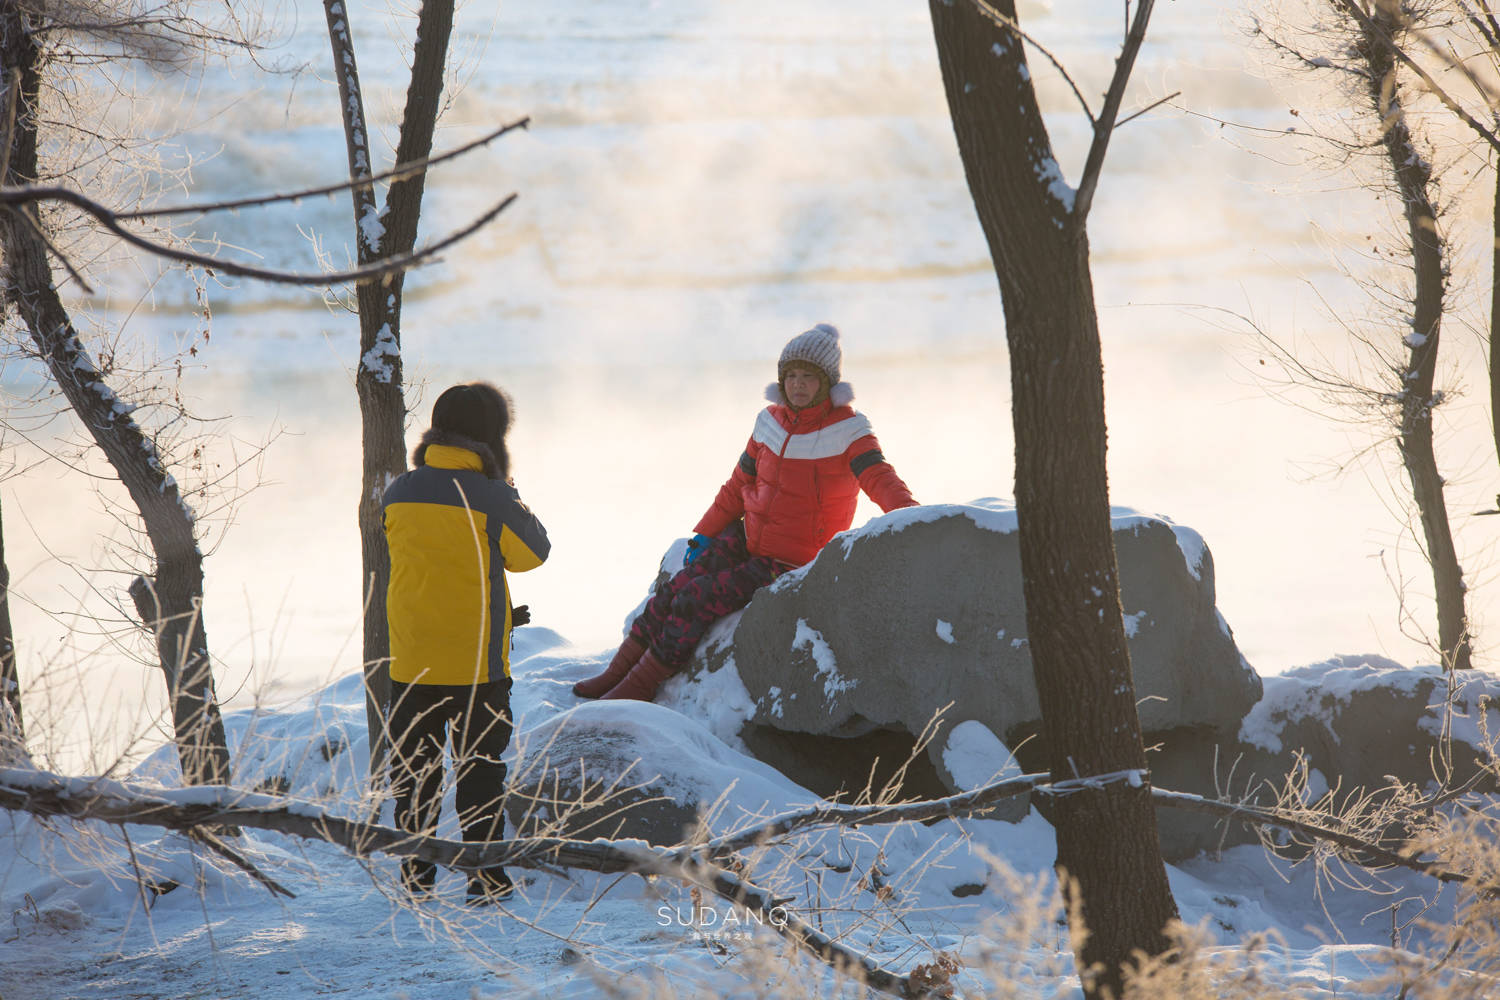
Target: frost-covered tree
[(1036, 226), (1363, 46), (381, 233), (52, 202), (37, 39)]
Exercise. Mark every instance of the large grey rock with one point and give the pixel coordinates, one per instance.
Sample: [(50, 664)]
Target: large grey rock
[(637, 770), (1350, 723), (920, 612), (1358, 719)]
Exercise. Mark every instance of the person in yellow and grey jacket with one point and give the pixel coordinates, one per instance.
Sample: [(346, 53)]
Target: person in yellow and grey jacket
[(454, 525)]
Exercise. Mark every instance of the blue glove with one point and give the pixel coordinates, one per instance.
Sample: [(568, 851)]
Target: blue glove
[(697, 545)]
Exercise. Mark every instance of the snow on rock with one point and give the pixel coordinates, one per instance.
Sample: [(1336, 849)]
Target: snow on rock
[(974, 757), (1346, 723), (718, 701), (626, 769), (662, 763), (861, 614), (1358, 719)]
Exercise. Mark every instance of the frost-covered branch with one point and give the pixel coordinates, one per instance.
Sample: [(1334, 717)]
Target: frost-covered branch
[(194, 809), (164, 35), (106, 217), (1270, 818), (399, 172), (962, 804), (44, 794), (367, 226), (763, 904), (241, 862), (1373, 27)]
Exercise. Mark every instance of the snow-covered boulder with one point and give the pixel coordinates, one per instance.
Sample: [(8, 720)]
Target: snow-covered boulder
[(1357, 719), (921, 611), (636, 770), (1348, 723)]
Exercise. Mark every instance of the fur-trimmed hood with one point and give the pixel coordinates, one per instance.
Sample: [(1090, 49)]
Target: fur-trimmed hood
[(495, 466), (841, 394)]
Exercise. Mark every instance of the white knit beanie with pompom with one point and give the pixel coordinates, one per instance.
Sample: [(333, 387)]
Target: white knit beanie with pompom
[(820, 347)]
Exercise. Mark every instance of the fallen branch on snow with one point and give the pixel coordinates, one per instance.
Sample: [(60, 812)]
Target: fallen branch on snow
[(43, 794), (207, 806)]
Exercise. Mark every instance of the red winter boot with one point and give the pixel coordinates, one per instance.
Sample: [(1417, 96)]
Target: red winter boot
[(642, 681), (628, 656)]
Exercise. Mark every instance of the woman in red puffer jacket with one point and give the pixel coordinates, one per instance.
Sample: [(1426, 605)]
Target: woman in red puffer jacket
[(794, 488)]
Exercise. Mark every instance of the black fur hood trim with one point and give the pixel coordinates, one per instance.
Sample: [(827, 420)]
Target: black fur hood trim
[(495, 466)]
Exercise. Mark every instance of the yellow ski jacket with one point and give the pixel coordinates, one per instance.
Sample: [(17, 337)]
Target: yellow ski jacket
[(453, 531)]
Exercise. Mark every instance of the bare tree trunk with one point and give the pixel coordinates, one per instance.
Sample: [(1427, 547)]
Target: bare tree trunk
[(374, 409), (378, 378), (1495, 319), (176, 612), (12, 725), (1413, 175), (1107, 836), (171, 606)]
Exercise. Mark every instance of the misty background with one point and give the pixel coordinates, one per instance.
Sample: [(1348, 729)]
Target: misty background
[(699, 183)]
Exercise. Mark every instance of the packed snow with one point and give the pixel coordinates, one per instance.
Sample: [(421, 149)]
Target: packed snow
[(114, 911)]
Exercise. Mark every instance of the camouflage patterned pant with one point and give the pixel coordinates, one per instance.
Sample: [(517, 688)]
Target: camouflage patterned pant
[(717, 583)]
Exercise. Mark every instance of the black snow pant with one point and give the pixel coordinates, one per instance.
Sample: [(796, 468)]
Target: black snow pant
[(422, 718)]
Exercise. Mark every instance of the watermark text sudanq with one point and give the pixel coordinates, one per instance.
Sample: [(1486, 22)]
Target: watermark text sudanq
[(706, 918)]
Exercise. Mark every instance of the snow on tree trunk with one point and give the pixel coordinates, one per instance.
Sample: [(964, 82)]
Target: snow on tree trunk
[(378, 378), (176, 608), (1412, 173)]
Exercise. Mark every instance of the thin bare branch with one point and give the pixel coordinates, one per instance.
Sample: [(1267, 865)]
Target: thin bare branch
[(52, 248), (1266, 817), (1369, 25), (1010, 24), (398, 172), (109, 220), (1492, 26), (1105, 126), (1154, 104), (222, 849)]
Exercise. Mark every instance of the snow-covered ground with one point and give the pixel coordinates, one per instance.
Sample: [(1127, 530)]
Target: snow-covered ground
[(701, 182), (80, 928)]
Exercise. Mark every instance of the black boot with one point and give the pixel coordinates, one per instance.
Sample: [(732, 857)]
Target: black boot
[(417, 877), (488, 887)]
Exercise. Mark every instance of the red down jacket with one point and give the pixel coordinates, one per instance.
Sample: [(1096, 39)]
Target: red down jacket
[(798, 481)]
